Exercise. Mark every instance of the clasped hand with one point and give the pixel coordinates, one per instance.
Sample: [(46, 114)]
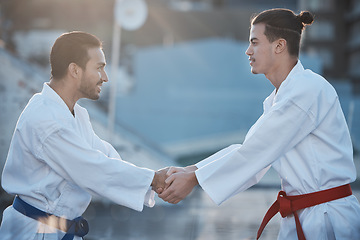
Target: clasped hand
[(173, 184)]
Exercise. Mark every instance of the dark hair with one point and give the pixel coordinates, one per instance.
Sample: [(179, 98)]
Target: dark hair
[(284, 23), (70, 48)]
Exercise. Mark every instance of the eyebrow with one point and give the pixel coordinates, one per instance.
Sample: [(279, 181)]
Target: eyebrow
[(101, 64), (253, 39)]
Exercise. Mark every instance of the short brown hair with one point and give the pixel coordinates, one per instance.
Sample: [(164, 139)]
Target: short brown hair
[(70, 48), (284, 23)]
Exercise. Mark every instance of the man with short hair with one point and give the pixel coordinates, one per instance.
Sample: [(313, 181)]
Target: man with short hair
[(302, 134), (55, 159)]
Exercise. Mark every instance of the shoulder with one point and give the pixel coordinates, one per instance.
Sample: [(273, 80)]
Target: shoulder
[(314, 80), (315, 86), (306, 88), (42, 116), (310, 92)]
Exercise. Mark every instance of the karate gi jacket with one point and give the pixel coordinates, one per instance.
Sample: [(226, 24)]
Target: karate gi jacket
[(303, 135), (56, 161)]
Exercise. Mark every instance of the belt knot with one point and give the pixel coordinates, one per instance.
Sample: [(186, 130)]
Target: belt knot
[(284, 204)]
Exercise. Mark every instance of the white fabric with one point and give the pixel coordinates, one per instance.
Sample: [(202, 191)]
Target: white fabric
[(303, 135), (56, 160)]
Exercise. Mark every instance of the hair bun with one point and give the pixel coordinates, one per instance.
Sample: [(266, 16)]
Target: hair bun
[(306, 17)]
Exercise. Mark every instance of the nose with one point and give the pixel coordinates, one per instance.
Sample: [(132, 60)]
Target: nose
[(104, 76), (248, 50)]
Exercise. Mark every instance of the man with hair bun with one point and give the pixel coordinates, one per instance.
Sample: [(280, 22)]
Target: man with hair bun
[(302, 134)]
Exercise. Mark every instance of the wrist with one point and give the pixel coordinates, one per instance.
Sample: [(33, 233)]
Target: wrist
[(194, 178), (153, 181), (191, 168)]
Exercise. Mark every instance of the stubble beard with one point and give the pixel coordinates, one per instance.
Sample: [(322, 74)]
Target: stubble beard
[(88, 91)]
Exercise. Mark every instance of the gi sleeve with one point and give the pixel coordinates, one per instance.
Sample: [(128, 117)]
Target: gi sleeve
[(237, 168), (250, 182), (217, 155), (75, 160), (105, 147)]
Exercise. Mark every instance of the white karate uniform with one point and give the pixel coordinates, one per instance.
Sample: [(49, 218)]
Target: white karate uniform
[(303, 135), (56, 160)]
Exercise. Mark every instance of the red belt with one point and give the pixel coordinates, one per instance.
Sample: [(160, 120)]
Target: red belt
[(287, 205)]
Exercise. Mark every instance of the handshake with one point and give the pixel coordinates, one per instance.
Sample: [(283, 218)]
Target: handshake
[(173, 184)]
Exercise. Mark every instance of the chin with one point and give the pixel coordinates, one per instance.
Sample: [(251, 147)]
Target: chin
[(253, 71), (95, 97)]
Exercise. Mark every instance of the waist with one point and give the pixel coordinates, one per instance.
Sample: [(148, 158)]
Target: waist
[(287, 205), (70, 204), (77, 226)]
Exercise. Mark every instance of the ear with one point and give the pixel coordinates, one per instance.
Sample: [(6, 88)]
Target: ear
[(281, 45), (74, 70)]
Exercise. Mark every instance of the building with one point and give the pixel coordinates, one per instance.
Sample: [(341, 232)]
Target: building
[(335, 36), (353, 28)]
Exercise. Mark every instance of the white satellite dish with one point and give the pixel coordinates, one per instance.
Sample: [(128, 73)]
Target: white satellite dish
[(130, 14)]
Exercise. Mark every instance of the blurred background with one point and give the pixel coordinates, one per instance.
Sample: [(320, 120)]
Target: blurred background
[(183, 91)]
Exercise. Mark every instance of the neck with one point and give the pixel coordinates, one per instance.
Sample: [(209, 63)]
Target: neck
[(280, 71), (66, 92)]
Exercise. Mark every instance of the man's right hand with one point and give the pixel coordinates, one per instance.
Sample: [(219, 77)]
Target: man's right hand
[(158, 183)]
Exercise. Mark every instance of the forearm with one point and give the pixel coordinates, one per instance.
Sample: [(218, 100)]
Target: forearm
[(217, 155)]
